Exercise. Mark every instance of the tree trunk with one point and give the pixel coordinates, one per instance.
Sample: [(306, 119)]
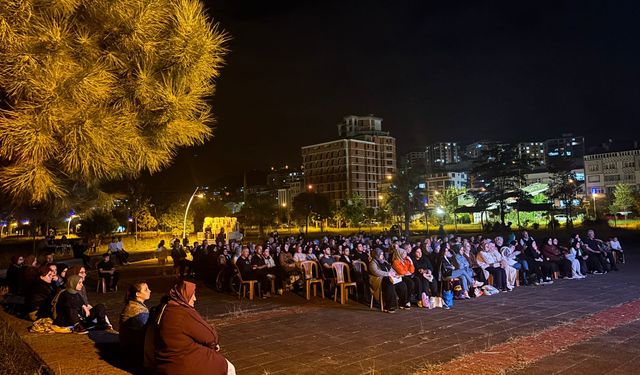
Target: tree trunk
[(407, 218)]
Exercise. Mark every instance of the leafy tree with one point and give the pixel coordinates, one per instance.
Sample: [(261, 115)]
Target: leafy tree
[(98, 222), (448, 200), (405, 196), (99, 90), (171, 219), (623, 198), (502, 173), (311, 203), (353, 210), (259, 210), (564, 187), (145, 221)]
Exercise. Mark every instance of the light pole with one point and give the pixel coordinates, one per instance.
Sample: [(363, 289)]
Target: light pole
[(69, 219), (426, 216), (184, 223), (595, 210)]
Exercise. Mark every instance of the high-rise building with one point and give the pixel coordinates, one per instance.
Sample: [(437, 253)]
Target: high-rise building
[(442, 153), (532, 151), (567, 146), (355, 164)]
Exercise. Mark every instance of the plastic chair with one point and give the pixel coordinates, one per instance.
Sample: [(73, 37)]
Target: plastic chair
[(380, 299), (251, 284), (342, 280), (312, 277), (102, 282)]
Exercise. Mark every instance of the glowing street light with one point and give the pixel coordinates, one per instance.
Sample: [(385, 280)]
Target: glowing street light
[(310, 187), (595, 210), (69, 219), (184, 223)]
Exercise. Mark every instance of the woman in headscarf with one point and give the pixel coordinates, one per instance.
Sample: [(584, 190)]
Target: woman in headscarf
[(403, 265), (71, 311), (180, 341), (384, 279)]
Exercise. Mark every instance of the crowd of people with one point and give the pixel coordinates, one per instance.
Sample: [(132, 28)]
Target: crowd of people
[(399, 272), (396, 272)]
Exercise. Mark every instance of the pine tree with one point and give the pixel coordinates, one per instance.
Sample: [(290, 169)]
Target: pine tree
[(92, 91)]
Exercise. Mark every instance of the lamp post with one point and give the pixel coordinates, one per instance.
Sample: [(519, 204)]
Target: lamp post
[(595, 210), (426, 216), (69, 219), (184, 223)]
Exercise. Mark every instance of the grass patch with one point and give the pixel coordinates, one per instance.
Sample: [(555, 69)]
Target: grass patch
[(16, 358)]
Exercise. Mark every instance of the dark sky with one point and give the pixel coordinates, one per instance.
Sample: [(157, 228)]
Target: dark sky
[(433, 70)]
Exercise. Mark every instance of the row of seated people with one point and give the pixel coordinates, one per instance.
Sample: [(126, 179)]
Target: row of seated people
[(419, 270), (166, 339), (33, 286)]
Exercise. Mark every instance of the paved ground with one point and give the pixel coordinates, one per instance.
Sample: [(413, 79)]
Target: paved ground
[(289, 335)]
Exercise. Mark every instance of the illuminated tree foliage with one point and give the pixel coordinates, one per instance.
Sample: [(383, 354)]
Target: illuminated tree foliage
[(98, 90)]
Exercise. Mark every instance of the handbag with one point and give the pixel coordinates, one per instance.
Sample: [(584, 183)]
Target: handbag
[(447, 297)]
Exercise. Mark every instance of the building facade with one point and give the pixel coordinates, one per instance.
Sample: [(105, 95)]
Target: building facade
[(605, 170), (436, 183), (442, 153), (532, 151), (355, 164)]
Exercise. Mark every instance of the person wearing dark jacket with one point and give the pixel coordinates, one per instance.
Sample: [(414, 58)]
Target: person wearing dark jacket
[(553, 255), (13, 274), (40, 294), (71, 310), (179, 341), (133, 322)]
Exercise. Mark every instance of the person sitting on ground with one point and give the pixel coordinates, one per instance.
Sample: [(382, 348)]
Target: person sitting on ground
[(71, 310), (13, 275), (82, 272), (180, 341), (62, 270), (133, 322), (29, 272), (108, 272), (40, 294), (384, 280)]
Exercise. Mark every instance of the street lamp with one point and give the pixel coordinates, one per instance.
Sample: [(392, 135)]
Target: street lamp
[(69, 219), (595, 210), (184, 223), (426, 216)]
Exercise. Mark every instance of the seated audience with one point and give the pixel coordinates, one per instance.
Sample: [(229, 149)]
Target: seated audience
[(71, 311), (383, 279), (107, 271)]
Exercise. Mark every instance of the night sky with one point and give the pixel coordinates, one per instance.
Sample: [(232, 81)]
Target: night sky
[(433, 70)]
